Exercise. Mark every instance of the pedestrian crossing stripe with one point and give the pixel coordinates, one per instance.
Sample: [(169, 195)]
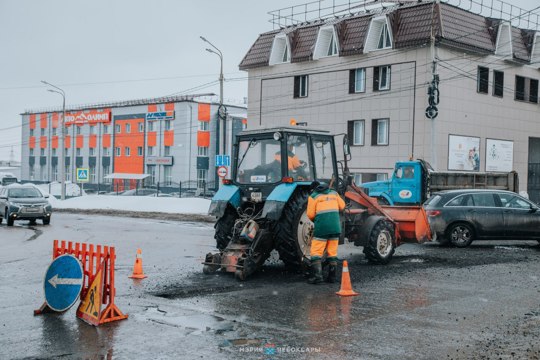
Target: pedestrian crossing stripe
[(90, 308)]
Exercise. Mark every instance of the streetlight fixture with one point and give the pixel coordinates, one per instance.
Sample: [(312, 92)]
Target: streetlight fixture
[(62, 150)]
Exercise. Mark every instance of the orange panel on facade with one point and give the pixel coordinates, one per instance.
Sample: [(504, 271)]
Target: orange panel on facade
[(152, 108), (43, 142), (169, 106), (203, 138), (168, 138), (54, 121), (133, 163), (32, 142), (79, 141), (54, 142), (204, 112), (92, 141), (43, 121), (107, 140), (152, 138), (67, 142), (32, 121)]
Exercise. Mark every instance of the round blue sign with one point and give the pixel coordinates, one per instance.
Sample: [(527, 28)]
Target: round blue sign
[(63, 282)]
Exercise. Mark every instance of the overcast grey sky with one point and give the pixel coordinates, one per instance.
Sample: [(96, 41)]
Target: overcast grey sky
[(111, 50)]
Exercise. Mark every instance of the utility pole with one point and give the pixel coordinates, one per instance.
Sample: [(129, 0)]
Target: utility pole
[(61, 138), (433, 93)]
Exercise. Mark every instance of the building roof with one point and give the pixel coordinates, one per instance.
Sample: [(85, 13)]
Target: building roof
[(412, 25)]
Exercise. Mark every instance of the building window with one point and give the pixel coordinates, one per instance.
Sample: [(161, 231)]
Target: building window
[(301, 86), (106, 171), (202, 151), (482, 82), (139, 151), (526, 89), (31, 132), (168, 125), (167, 151), (127, 151), (54, 131), (105, 151), (92, 171), (151, 170), (42, 132), (78, 151), (53, 152), (498, 83), (326, 44), (128, 128), (384, 39), (204, 125), (92, 130), (357, 178), (150, 126), (92, 152), (118, 151), (379, 132), (55, 173), (42, 152), (150, 151), (118, 128), (381, 78), (355, 132), (201, 179), (32, 172), (382, 176), (105, 129), (357, 81), (78, 130), (167, 173), (43, 172), (141, 127), (31, 152), (67, 173)]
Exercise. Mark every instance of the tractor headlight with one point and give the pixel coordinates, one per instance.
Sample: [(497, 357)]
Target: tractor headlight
[(277, 136)]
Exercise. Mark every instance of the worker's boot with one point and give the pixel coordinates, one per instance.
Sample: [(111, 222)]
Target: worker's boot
[(332, 267), (306, 268), (316, 273)]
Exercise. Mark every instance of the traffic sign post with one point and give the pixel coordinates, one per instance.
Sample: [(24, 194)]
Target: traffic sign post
[(63, 283), (83, 175), (223, 160)]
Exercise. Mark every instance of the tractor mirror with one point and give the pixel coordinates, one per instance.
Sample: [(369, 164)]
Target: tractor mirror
[(346, 147)]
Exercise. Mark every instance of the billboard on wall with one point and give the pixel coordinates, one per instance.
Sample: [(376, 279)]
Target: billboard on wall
[(463, 153), (88, 117), (499, 155)]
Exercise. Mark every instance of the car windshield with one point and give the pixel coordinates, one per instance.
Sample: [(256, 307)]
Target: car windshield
[(24, 193), (259, 161)]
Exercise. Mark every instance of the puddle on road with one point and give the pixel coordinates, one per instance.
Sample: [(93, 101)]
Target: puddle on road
[(191, 324), (37, 233)]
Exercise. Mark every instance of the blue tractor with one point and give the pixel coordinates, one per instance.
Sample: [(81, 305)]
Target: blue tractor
[(263, 205)]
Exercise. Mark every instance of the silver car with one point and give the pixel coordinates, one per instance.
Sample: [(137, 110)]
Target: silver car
[(24, 202)]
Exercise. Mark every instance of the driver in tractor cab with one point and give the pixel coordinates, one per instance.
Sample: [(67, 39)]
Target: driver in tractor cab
[(293, 162)]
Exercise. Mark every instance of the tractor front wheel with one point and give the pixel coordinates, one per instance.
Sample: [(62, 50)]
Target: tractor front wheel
[(381, 243), (293, 230)]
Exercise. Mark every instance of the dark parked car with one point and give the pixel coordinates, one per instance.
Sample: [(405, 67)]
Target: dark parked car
[(24, 202), (461, 216)]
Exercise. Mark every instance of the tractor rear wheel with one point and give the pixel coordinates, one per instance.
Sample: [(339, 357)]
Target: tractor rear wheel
[(293, 230), (381, 243), (224, 228)]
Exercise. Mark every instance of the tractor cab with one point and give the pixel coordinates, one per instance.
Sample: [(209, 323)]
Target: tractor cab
[(264, 159)]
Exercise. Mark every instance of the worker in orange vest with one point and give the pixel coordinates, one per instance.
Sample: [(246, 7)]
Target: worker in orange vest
[(324, 206), (293, 162)]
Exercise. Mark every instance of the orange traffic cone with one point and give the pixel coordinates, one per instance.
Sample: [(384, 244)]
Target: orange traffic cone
[(346, 288), (137, 268)]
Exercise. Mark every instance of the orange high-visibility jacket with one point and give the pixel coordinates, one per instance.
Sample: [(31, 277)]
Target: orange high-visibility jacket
[(323, 209), (293, 161)]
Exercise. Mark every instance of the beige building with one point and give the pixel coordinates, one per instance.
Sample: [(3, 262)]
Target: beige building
[(368, 74)]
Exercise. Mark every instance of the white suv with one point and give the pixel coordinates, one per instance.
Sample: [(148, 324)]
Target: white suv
[(24, 202)]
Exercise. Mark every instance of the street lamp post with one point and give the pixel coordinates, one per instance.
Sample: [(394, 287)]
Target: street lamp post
[(62, 150), (221, 112)]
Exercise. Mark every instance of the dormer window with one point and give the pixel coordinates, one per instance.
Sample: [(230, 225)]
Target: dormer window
[(327, 43), (504, 40), (379, 35), (281, 51), (384, 39)]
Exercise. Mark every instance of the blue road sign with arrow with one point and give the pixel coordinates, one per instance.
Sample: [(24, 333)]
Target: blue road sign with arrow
[(63, 282)]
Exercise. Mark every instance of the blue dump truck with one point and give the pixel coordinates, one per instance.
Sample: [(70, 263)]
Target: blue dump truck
[(412, 182)]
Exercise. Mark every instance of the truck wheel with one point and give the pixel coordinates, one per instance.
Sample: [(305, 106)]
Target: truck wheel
[(224, 228), (381, 243), (293, 230), (461, 235)]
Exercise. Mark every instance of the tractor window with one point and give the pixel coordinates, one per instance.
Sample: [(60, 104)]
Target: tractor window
[(298, 158), (324, 166), (259, 161)]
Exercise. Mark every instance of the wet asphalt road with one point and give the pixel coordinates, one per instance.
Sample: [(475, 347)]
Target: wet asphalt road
[(429, 303)]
